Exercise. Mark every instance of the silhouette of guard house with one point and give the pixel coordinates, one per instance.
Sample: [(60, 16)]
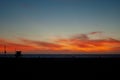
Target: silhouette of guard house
[(18, 54)]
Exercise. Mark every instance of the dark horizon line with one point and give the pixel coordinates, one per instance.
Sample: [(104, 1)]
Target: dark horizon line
[(61, 56)]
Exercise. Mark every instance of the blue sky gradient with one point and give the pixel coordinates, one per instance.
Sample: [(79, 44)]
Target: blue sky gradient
[(42, 19)]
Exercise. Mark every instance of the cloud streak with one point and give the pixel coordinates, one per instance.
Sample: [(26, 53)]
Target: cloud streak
[(42, 45), (12, 46), (76, 43)]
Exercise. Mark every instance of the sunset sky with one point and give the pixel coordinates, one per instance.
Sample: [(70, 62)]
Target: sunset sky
[(65, 26)]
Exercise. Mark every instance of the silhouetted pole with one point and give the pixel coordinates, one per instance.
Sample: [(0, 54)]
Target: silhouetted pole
[(5, 49)]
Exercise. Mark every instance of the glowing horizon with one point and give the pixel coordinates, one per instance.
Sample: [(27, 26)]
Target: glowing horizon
[(77, 43)]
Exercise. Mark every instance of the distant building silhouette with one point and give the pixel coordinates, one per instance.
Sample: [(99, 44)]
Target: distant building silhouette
[(18, 54)]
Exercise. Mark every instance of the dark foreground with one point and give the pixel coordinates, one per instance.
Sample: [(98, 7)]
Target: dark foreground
[(68, 62)]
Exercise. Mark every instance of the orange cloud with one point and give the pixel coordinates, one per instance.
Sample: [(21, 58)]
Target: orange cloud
[(83, 43), (11, 46), (43, 45), (77, 43)]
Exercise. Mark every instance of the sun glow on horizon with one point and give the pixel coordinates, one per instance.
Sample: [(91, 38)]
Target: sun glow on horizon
[(76, 43)]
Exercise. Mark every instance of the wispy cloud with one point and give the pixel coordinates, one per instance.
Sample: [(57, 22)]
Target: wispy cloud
[(81, 42), (42, 45), (12, 46), (81, 37), (96, 32), (76, 43)]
